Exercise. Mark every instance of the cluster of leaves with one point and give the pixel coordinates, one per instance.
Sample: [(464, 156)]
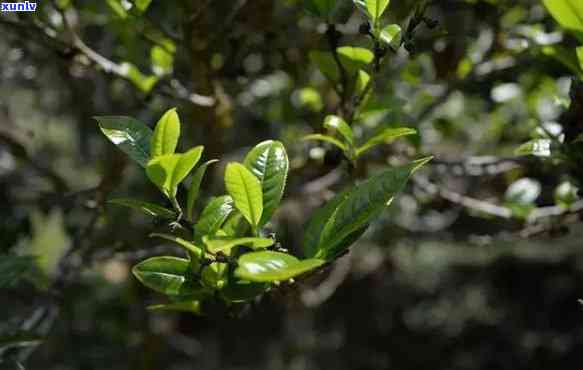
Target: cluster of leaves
[(229, 255)]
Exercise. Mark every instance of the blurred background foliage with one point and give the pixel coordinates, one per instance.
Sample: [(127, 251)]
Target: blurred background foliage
[(477, 265)]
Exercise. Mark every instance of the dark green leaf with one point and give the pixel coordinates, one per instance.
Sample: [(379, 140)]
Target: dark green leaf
[(149, 209), (242, 291), (14, 268), (195, 187), (213, 216), (167, 275), (269, 163), (352, 210), (130, 135)]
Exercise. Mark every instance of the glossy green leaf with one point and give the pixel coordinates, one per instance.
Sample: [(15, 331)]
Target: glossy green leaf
[(130, 135), (213, 216), (385, 137), (225, 244), (149, 209), (189, 306), (569, 13), (340, 125), (269, 163), (245, 189), (328, 139), (390, 33), (190, 247), (167, 275), (168, 171), (166, 134), (352, 210), (374, 9), (266, 266), (194, 190)]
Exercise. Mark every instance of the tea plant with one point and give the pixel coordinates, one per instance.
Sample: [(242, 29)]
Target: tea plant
[(229, 256)]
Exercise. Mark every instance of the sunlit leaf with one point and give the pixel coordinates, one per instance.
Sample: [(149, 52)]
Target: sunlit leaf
[(245, 189), (269, 266), (213, 216), (269, 164), (390, 33), (569, 13), (328, 139), (168, 171), (166, 134), (130, 135), (225, 244), (340, 125)]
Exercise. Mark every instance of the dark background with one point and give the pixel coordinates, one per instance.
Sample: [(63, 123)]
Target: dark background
[(437, 283)]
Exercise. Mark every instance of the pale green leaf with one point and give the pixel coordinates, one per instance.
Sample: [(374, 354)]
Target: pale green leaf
[(168, 171), (385, 137), (328, 139), (190, 306), (245, 189), (269, 163), (166, 134), (389, 34), (569, 13), (340, 125), (225, 244)]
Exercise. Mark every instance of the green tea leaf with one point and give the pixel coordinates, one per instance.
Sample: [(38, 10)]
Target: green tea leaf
[(168, 171), (149, 209), (213, 216), (338, 124), (266, 266), (190, 306), (328, 139), (352, 59), (269, 163), (235, 225), (166, 134), (167, 275), (130, 135), (569, 13), (374, 9), (350, 211), (245, 189), (195, 187), (385, 137), (389, 34), (225, 244), (190, 247)]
